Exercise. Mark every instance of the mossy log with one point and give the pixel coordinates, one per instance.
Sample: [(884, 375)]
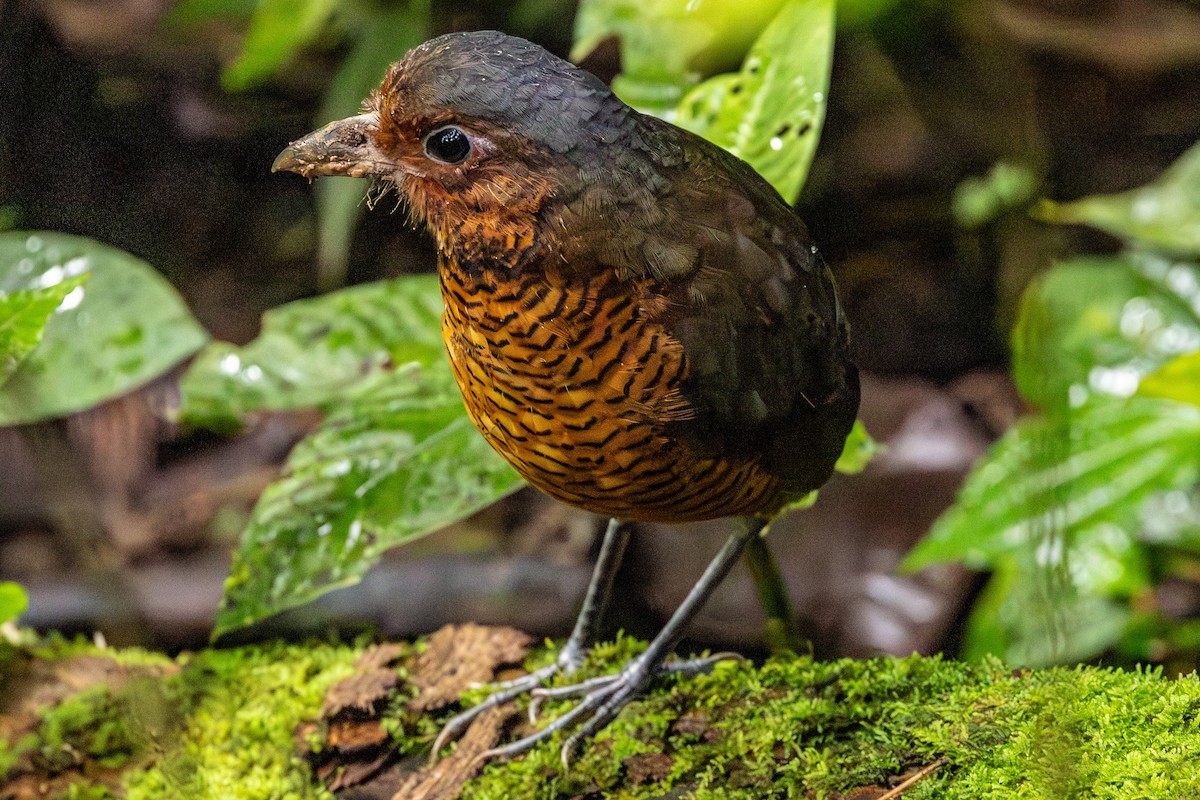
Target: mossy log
[(321, 719)]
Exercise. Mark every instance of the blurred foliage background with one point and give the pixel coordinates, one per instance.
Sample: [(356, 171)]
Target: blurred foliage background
[(1004, 189)]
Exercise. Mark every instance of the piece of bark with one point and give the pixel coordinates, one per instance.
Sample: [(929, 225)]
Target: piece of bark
[(458, 657), (357, 747), (357, 751), (362, 692), (442, 779)]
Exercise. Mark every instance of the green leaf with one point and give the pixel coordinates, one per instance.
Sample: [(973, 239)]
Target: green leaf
[(1097, 325), (1038, 622), (396, 457), (1051, 509), (387, 466), (1178, 379), (669, 45), (771, 112), (24, 315), (277, 29), (1058, 477), (126, 327), (1163, 215), (1064, 505), (314, 353), (1172, 519), (858, 451), (13, 601), (978, 201)]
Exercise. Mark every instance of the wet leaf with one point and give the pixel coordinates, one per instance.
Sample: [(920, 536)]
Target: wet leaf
[(388, 465), (1058, 508), (13, 601), (23, 318), (395, 458), (1053, 509), (1163, 215), (316, 353), (125, 327), (771, 112)]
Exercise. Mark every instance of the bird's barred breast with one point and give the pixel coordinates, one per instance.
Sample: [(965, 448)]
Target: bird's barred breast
[(575, 384)]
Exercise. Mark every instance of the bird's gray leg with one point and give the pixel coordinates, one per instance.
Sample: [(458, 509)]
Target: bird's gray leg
[(570, 658), (595, 602), (603, 698)]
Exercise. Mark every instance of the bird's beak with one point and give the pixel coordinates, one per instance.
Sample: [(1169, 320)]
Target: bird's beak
[(344, 147)]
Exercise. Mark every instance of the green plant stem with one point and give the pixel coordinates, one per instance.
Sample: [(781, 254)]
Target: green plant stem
[(781, 632)]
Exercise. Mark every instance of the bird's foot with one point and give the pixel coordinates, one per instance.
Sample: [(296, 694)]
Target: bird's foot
[(603, 698), (570, 658)]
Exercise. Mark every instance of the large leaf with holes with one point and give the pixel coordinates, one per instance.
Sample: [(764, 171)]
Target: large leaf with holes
[(122, 328), (1163, 215), (770, 113), (667, 46)]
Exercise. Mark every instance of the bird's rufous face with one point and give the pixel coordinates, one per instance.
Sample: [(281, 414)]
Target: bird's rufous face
[(472, 181), (475, 183)]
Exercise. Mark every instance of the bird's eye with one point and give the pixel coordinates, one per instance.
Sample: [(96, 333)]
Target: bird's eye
[(450, 145)]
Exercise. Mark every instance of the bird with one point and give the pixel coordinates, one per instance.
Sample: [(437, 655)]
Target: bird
[(638, 322)]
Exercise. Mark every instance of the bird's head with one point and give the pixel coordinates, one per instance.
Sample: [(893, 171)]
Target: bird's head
[(476, 131)]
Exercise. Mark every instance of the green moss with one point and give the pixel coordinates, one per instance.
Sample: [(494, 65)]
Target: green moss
[(97, 727), (240, 709), (221, 725), (224, 725), (56, 647), (87, 791), (90, 726), (797, 728), (1084, 733)]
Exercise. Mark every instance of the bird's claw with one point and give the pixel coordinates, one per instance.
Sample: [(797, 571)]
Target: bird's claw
[(603, 698), (570, 658), (506, 691)]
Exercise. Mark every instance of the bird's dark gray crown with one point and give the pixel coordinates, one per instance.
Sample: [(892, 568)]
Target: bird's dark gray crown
[(505, 79)]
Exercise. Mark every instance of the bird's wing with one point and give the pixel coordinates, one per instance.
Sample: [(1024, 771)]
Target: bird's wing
[(751, 303)]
